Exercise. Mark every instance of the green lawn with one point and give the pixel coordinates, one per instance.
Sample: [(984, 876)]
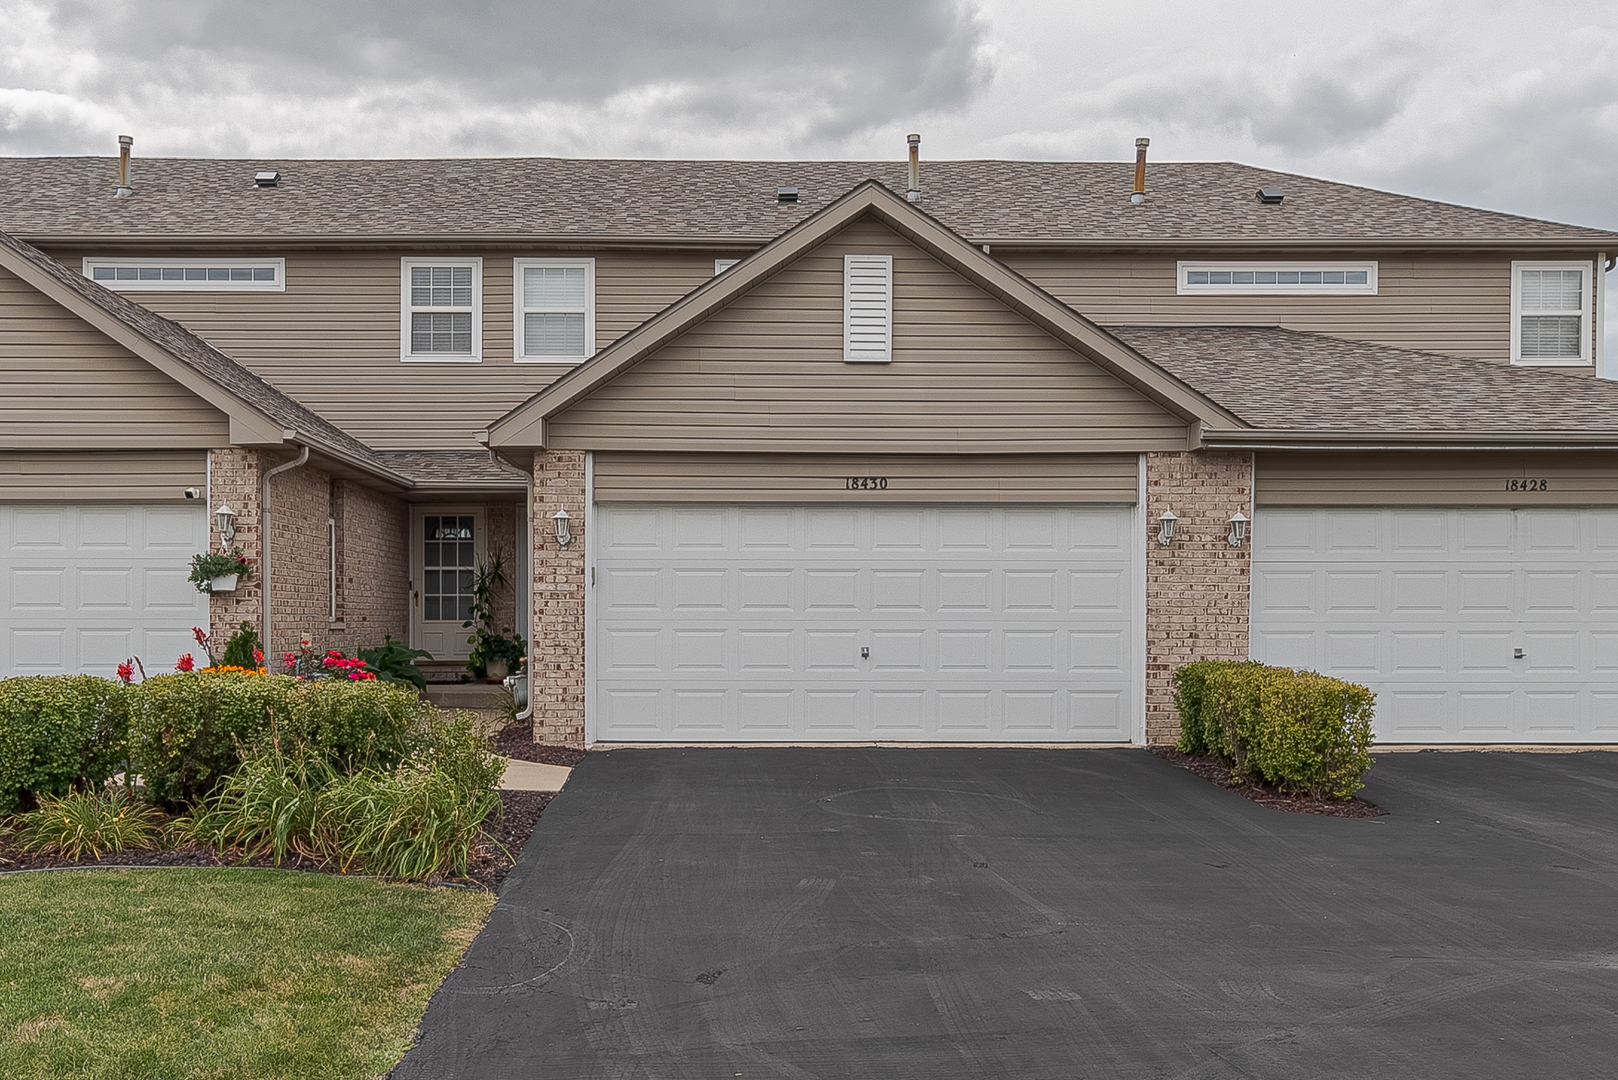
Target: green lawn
[(219, 973)]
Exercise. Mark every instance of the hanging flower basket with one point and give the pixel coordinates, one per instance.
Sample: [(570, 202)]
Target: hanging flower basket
[(219, 573)]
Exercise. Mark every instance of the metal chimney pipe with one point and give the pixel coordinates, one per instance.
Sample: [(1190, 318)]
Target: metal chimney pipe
[(124, 190), (915, 167), (1140, 171)]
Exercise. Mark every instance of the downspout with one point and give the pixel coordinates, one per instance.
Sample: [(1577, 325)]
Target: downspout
[(264, 527), (527, 597)]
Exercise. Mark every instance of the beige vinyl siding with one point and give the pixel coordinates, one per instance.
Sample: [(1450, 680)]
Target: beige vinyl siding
[(798, 478), (1435, 479), (331, 340), (135, 476), (767, 374), (1455, 304), (68, 385)]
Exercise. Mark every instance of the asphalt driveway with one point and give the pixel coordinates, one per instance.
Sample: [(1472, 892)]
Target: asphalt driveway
[(897, 913)]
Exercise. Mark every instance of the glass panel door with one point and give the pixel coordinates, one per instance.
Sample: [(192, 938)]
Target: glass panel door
[(449, 543)]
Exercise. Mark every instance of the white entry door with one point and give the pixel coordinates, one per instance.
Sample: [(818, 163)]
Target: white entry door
[(823, 624), (448, 544), (84, 587), (1472, 626)]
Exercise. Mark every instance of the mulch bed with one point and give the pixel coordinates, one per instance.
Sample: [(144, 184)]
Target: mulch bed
[(520, 812), (517, 741), (1216, 771)]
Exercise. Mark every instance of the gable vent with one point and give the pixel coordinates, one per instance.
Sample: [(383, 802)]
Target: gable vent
[(868, 308)]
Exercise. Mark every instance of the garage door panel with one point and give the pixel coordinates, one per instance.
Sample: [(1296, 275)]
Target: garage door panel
[(1460, 591), (82, 588), (912, 623)]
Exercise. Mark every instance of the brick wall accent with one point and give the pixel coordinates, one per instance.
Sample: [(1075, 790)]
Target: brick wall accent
[(1196, 590), (557, 682), (234, 479), (501, 519), (301, 566), (373, 566)]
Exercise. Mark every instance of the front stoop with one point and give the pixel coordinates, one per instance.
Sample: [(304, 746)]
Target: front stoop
[(479, 697)]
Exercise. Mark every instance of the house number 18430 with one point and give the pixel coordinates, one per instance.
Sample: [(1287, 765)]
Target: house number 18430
[(865, 483)]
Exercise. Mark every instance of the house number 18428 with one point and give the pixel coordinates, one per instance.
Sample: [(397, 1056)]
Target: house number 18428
[(865, 483), (1528, 485)]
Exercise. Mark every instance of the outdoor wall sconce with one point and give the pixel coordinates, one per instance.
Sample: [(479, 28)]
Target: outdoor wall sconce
[(1238, 529), (564, 532), (225, 517), (1165, 528)]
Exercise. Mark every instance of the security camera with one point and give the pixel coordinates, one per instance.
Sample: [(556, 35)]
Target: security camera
[(193, 493)]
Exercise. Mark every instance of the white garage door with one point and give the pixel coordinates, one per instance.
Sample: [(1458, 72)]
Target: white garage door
[(1431, 609), (808, 624), (84, 587)]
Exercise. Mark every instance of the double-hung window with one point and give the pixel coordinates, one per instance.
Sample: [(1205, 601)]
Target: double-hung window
[(1551, 313), (556, 310), (442, 309)]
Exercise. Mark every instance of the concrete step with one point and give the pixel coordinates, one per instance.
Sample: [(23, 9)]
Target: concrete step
[(478, 696)]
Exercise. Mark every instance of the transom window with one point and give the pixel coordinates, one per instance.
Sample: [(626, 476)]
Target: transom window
[(442, 310), (449, 562), (1282, 279), (555, 306), (1550, 305), (188, 275)]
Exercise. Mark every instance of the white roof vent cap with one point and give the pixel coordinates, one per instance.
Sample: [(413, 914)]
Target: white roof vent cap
[(266, 178)]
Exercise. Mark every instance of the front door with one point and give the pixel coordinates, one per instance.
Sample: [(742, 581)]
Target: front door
[(448, 543)]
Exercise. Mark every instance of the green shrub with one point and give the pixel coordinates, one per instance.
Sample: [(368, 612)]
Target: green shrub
[(394, 661), (1299, 730), (268, 806), (457, 745), (187, 732), (242, 650), (411, 823), (57, 733), (93, 823)]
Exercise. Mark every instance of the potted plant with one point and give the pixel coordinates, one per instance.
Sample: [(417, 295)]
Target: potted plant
[(220, 573), (494, 651)]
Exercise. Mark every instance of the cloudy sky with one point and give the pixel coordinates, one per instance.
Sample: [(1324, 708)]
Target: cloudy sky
[(1512, 106)]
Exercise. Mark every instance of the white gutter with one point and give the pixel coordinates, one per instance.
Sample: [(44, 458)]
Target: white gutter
[(264, 528)]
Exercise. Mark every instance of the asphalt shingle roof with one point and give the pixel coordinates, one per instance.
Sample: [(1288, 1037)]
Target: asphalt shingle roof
[(1088, 202), (450, 466), (1285, 379)]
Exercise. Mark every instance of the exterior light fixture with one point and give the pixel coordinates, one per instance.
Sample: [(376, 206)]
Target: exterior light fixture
[(1165, 528), (225, 518), (1238, 529), (564, 533)]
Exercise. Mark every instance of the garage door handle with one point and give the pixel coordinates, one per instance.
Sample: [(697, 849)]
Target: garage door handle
[(865, 652), (1518, 654)]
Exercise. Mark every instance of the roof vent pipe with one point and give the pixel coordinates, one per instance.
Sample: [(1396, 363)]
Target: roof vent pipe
[(124, 190), (1140, 171), (915, 167)]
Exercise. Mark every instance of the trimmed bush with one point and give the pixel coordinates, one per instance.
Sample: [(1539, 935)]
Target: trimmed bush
[(187, 732), (58, 733), (1299, 730)]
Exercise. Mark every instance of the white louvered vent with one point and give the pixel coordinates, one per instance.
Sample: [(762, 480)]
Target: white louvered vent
[(868, 308)]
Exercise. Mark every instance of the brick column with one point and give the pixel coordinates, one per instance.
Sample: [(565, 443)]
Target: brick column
[(1197, 590), (235, 479), (556, 682)]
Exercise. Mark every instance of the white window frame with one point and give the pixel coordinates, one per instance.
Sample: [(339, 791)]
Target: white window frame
[(405, 311), (1586, 312), (850, 354), (91, 263), (1181, 288), (518, 311)]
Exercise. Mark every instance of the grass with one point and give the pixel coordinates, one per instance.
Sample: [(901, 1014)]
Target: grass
[(218, 972)]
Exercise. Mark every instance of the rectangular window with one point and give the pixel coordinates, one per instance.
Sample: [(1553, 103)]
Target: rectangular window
[(1276, 278), (1550, 313), (868, 308), (442, 310), (556, 309), (188, 275)]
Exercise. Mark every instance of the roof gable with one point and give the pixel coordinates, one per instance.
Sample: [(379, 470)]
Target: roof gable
[(931, 245)]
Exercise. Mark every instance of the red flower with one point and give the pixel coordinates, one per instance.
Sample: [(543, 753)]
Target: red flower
[(334, 654), (185, 663), (258, 656), (290, 659), (196, 632), (126, 672)]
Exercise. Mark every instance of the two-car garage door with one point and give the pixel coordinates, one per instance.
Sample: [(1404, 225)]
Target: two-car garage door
[(1473, 625), (832, 624), (82, 587)]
